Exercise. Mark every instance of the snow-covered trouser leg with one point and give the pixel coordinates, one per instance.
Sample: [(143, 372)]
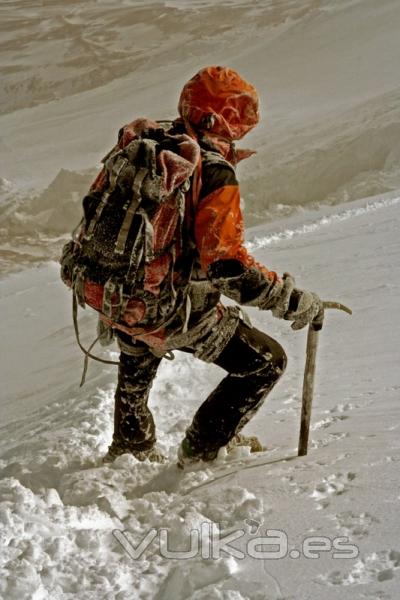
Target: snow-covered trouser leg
[(134, 428), (255, 362)]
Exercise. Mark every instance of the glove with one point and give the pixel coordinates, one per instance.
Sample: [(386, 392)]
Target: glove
[(300, 306)]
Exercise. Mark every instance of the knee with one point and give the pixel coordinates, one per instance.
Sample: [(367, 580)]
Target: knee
[(271, 350), (279, 360), (275, 360)]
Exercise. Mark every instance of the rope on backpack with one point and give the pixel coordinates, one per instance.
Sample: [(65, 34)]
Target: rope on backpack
[(87, 352)]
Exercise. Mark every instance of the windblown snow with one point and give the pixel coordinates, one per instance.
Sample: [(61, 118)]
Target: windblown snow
[(73, 74), (323, 195)]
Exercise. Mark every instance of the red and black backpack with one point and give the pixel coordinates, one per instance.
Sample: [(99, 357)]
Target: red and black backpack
[(128, 258)]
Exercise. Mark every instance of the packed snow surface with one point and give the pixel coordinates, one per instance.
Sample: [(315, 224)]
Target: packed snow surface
[(323, 196), (71, 525)]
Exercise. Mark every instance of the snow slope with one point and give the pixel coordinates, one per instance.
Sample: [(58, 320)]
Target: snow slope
[(62, 512), (73, 73), (327, 72)]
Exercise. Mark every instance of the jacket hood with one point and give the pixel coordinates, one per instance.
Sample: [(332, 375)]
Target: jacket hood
[(218, 101)]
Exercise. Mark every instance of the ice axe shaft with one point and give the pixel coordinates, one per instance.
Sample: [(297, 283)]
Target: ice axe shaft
[(309, 377)]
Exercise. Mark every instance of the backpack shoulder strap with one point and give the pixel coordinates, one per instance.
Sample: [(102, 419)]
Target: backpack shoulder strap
[(209, 157)]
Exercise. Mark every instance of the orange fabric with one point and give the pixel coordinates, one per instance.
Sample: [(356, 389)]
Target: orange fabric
[(218, 100), (219, 230)]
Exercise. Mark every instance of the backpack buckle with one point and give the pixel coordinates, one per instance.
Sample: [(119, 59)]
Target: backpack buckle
[(110, 308)]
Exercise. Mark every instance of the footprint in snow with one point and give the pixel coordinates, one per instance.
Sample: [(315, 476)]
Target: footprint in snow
[(343, 408), (332, 437), (333, 485), (374, 567), (327, 422), (297, 488), (353, 524), (335, 414)]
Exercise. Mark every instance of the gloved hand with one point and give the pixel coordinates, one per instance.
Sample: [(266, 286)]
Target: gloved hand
[(300, 306)]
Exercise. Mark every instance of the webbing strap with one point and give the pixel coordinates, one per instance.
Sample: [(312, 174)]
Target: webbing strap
[(97, 215), (78, 284), (136, 256), (113, 181), (77, 228), (87, 352), (112, 288), (148, 236), (188, 309), (130, 213)]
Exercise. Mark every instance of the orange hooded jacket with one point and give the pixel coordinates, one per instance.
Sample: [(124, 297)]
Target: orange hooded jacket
[(218, 106)]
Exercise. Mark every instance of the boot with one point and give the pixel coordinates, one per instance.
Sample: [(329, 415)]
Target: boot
[(152, 454), (243, 440), (188, 456)]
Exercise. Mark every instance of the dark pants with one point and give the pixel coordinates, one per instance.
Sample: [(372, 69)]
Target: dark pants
[(254, 362)]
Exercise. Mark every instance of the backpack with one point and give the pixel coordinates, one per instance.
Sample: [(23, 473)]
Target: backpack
[(122, 257)]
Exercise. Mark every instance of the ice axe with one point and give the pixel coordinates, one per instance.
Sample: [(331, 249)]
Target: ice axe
[(308, 381)]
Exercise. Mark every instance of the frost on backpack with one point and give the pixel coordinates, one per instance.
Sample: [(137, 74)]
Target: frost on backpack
[(122, 256)]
